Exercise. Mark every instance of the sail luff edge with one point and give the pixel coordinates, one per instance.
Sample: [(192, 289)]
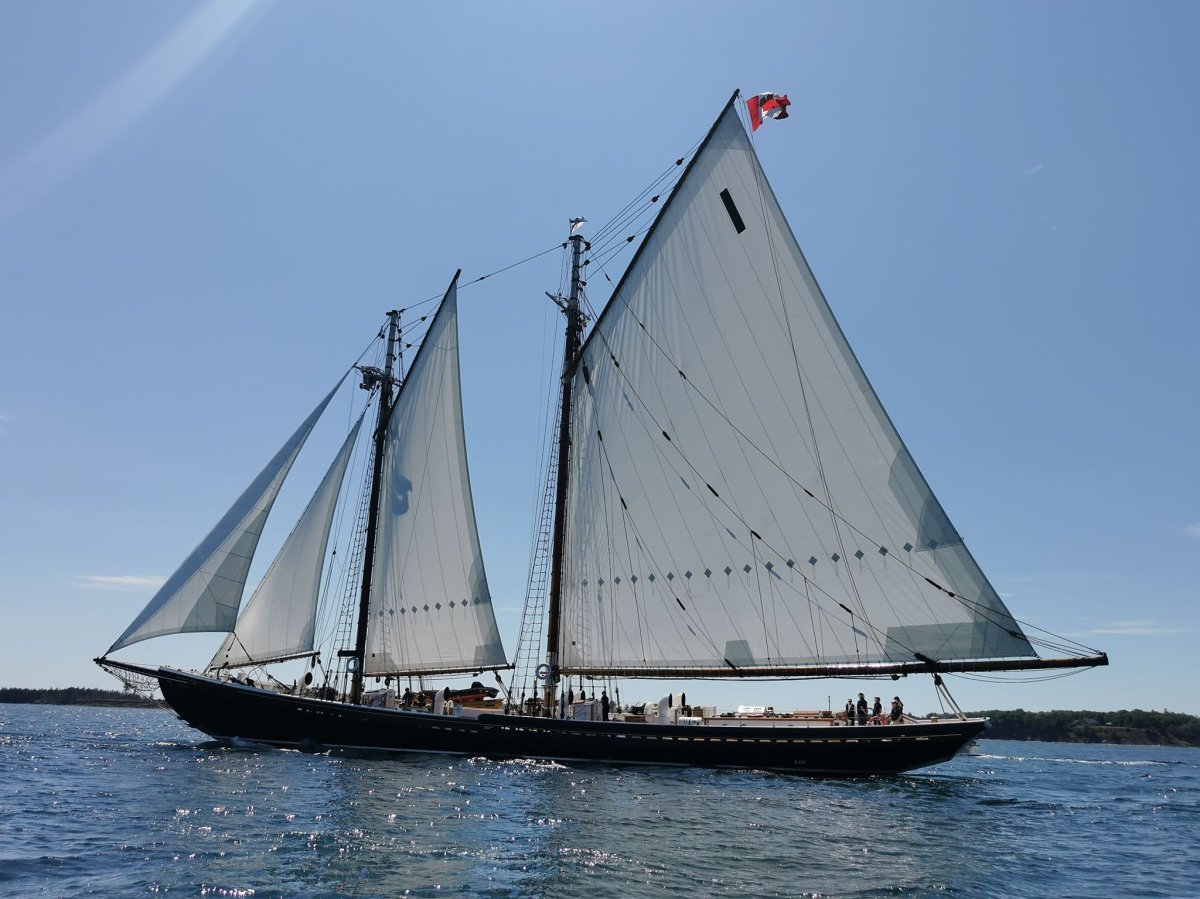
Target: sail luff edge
[(587, 341)]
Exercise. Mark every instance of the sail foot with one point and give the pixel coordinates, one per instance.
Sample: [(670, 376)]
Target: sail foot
[(881, 669)]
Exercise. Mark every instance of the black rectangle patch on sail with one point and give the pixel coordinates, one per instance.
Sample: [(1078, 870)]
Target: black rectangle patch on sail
[(734, 215)]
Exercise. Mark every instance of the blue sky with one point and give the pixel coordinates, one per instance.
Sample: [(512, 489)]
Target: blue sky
[(205, 209)]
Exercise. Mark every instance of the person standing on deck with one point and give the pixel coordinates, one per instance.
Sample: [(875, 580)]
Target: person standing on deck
[(849, 711), (897, 710), (604, 704), (862, 710), (877, 712)]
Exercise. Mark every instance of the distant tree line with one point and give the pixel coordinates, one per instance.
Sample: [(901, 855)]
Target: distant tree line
[(72, 696), (1136, 726)]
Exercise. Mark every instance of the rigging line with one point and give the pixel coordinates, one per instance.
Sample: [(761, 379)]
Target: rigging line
[(880, 635), (506, 268), (438, 296), (674, 168), (762, 600), (828, 505), (608, 253), (774, 258), (754, 476), (1042, 630), (602, 338), (633, 207), (978, 608), (341, 511), (610, 543), (643, 624), (619, 236), (668, 472), (758, 179), (645, 633), (611, 232), (998, 679), (756, 480), (699, 625), (549, 411)]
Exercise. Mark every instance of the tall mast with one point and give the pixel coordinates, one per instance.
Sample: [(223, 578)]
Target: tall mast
[(570, 351), (385, 380)]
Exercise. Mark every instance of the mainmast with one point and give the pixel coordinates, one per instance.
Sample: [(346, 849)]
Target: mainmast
[(575, 320), (385, 380)]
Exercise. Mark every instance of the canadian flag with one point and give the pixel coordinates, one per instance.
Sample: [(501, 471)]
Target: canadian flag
[(767, 106)]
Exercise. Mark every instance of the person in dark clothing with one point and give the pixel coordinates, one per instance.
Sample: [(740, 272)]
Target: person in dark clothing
[(862, 710), (849, 711), (877, 712), (897, 709), (604, 705)]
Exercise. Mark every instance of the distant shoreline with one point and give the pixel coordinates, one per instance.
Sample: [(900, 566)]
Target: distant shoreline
[(74, 696), (1123, 727)]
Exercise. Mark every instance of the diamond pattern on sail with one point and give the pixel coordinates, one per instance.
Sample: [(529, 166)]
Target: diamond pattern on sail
[(723, 425), (430, 605)]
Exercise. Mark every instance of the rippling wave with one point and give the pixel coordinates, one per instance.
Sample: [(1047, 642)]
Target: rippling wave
[(132, 802)]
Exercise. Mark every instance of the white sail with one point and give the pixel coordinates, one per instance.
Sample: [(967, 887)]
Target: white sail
[(430, 608), (739, 498), (280, 619), (205, 591)]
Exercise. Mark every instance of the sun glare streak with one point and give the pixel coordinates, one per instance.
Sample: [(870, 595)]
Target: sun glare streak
[(75, 142)]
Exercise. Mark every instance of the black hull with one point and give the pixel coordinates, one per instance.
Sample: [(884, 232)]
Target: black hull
[(230, 711)]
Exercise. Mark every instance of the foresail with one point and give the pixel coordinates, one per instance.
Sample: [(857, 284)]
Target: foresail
[(205, 591), (430, 607), (279, 621), (739, 498)]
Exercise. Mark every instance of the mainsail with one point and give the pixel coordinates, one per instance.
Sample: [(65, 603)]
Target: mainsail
[(279, 621), (430, 608), (205, 591), (740, 501)]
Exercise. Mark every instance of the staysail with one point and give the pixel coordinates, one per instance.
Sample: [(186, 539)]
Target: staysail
[(279, 621), (204, 592), (740, 500), (430, 608)]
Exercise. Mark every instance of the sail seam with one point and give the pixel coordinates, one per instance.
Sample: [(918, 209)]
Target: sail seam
[(976, 607), (722, 500)]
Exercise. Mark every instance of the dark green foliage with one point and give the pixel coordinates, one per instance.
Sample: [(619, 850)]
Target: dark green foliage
[(1137, 726), (71, 696)]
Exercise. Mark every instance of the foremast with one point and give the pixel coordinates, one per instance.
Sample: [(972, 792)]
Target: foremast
[(574, 339), (385, 380)]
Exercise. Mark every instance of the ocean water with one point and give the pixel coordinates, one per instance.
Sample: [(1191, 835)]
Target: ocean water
[(121, 802)]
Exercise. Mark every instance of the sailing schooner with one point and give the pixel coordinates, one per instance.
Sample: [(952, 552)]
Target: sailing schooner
[(731, 500)]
